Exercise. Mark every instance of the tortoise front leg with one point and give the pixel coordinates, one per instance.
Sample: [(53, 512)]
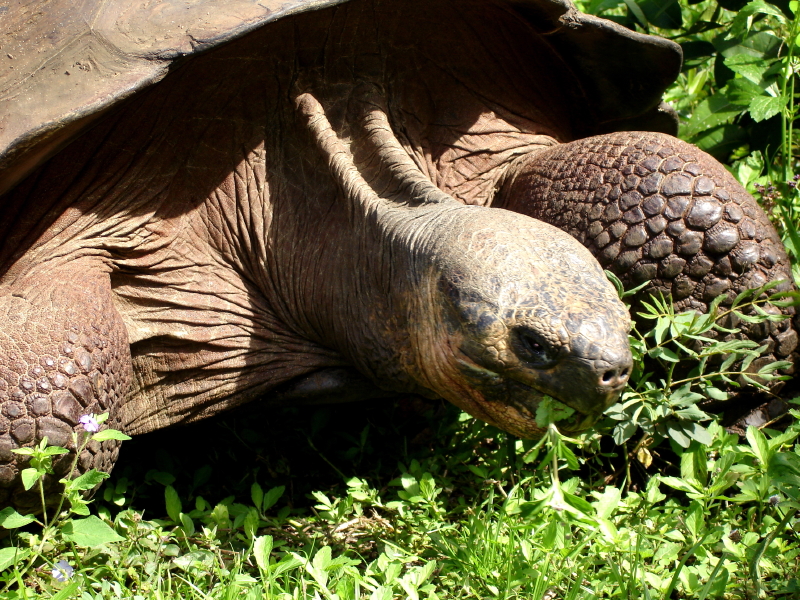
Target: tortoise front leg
[(651, 207), (63, 354)]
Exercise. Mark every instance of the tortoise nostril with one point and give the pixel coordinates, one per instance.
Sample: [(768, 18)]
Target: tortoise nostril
[(615, 377)]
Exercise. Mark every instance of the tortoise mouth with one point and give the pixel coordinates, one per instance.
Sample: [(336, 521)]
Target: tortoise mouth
[(575, 423), (507, 389)]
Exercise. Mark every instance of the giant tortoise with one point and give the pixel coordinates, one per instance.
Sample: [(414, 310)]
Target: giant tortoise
[(213, 201)]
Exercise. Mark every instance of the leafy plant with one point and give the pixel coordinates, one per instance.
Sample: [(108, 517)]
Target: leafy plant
[(684, 359), (87, 532)]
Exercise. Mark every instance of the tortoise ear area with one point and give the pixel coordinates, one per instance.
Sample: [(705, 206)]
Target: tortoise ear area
[(462, 297)]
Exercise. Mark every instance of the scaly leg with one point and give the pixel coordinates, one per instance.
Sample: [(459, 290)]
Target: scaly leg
[(63, 354)]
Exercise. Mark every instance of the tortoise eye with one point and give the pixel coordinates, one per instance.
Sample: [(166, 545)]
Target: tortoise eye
[(531, 348)]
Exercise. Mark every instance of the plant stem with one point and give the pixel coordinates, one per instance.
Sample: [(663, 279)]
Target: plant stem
[(44, 504), (710, 375), (787, 114), (754, 568)]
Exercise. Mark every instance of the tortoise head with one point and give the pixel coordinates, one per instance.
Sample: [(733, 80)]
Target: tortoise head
[(521, 310), (487, 308)]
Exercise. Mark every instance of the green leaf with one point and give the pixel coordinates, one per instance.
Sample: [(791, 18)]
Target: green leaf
[(89, 532), (758, 442), (764, 107), (694, 468), (110, 434), (54, 450), (550, 411), (568, 455), (654, 494), (251, 522), (68, 591), (749, 67), (608, 502), (651, 311), (637, 12), (749, 318), (579, 504), (788, 298), (262, 548), (322, 558), (87, 481), (187, 524), (11, 519), (715, 393), (287, 563), (198, 559), (616, 281), (698, 433), (726, 364), (256, 495), (694, 519), (714, 110), (665, 14), (762, 45), (409, 482), (173, 502), (667, 551), (683, 396), (691, 413), (11, 556), (272, 496), (679, 484), (660, 329), (677, 433), (23, 451), (742, 92), (79, 507), (720, 141), (30, 477), (664, 354), (623, 432), (741, 21), (774, 366), (595, 7)]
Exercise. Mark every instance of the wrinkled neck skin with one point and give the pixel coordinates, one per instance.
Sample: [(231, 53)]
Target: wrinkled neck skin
[(261, 219)]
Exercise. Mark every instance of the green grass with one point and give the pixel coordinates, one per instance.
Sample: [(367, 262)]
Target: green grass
[(416, 500), (432, 505)]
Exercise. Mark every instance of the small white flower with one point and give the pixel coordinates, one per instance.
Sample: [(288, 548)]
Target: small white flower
[(90, 423), (62, 571)]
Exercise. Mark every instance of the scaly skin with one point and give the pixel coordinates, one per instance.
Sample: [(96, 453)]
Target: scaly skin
[(63, 354)]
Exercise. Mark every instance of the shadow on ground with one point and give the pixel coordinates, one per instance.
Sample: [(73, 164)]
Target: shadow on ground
[(303, 449)]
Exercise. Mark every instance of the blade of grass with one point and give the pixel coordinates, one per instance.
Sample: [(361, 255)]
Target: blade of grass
[(712, 578), (674, 581)]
